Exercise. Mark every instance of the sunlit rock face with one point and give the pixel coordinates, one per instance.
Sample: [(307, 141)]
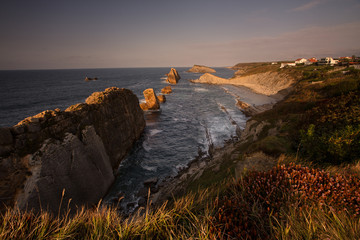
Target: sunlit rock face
[(173, 76), (166, 90), (161, 98), (61, 155), (152, 102)]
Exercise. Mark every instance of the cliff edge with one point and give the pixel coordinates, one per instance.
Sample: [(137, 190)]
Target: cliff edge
[(75, 151)]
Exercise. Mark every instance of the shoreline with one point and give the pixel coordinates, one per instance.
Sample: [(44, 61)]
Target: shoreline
[(176, 185)]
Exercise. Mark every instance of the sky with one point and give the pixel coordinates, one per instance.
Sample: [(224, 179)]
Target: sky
[(43, 34)]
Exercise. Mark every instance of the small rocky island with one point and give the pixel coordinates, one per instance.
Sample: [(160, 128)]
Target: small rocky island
[(173, 76), (58, 155), (90, 79), (201, 69)]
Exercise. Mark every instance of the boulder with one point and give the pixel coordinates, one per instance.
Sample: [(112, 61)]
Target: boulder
[(151, 99), (90, 79), (161, 98), (69, 154), (201, 69), (173, 76), (166, 90)]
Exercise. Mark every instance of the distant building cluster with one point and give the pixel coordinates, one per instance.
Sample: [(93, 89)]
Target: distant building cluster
[(342, 61)]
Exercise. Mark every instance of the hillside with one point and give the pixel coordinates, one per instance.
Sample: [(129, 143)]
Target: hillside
[(294, 174)]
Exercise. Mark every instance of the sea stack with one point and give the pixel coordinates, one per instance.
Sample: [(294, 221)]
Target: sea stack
[(58, 155), (161, 98), (166, 90), (152, 102), (201, 69), (173, 76)]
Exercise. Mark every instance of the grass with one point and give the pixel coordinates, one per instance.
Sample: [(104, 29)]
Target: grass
[(260, 205), (254, 68)]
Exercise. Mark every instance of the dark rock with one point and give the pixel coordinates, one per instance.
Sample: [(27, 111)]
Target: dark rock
[(143, 192), (142, 202), (6, 137), (151, 182), (77, 150)]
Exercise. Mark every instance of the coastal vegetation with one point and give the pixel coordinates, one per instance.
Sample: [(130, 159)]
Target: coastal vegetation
[(298, 178)]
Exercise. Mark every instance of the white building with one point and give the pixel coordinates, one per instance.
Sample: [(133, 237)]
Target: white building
[(301, 60), (328, 61), (287, 65)]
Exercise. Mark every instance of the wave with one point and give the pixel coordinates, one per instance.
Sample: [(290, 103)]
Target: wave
[(154, 132), (200, 90)]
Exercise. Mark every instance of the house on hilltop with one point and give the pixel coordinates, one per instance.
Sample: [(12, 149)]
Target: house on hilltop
[(328, 61), (312, 60), (301, 60)]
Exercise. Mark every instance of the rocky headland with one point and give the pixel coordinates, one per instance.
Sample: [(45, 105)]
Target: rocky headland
[(268, 83), (68, 156), (201, 69), (173, 76)]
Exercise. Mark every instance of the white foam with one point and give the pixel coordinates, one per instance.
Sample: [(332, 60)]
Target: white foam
[(200, 89), (154, 132), (146, 146), (149, 168)]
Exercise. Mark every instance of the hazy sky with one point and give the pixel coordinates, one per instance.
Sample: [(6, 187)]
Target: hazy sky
[(43, 34)]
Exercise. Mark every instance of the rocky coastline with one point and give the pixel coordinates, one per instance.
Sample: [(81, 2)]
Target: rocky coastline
[(211, 161), (177, 185), (68, 156)]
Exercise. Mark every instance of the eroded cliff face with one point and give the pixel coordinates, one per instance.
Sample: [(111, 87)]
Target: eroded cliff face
[(77, 150)]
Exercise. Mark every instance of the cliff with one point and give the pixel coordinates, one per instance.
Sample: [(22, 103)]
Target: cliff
[(201, 69), (77, 150), (267, 83)]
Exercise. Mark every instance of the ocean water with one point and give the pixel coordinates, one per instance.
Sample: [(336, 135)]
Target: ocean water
[(193, 117)]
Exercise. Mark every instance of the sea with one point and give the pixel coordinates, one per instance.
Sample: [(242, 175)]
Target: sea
[(195, 117)]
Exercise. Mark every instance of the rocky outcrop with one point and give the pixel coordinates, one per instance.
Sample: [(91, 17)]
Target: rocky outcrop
[(173, 76), (268, 83), (90, 79), (251, 110), (166, 90), (201, 69), (161, 98), (211, 79), (151, 100), (75, 151)]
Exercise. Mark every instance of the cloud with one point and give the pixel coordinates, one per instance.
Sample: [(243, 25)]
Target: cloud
[(308, 6), (335, 40)]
